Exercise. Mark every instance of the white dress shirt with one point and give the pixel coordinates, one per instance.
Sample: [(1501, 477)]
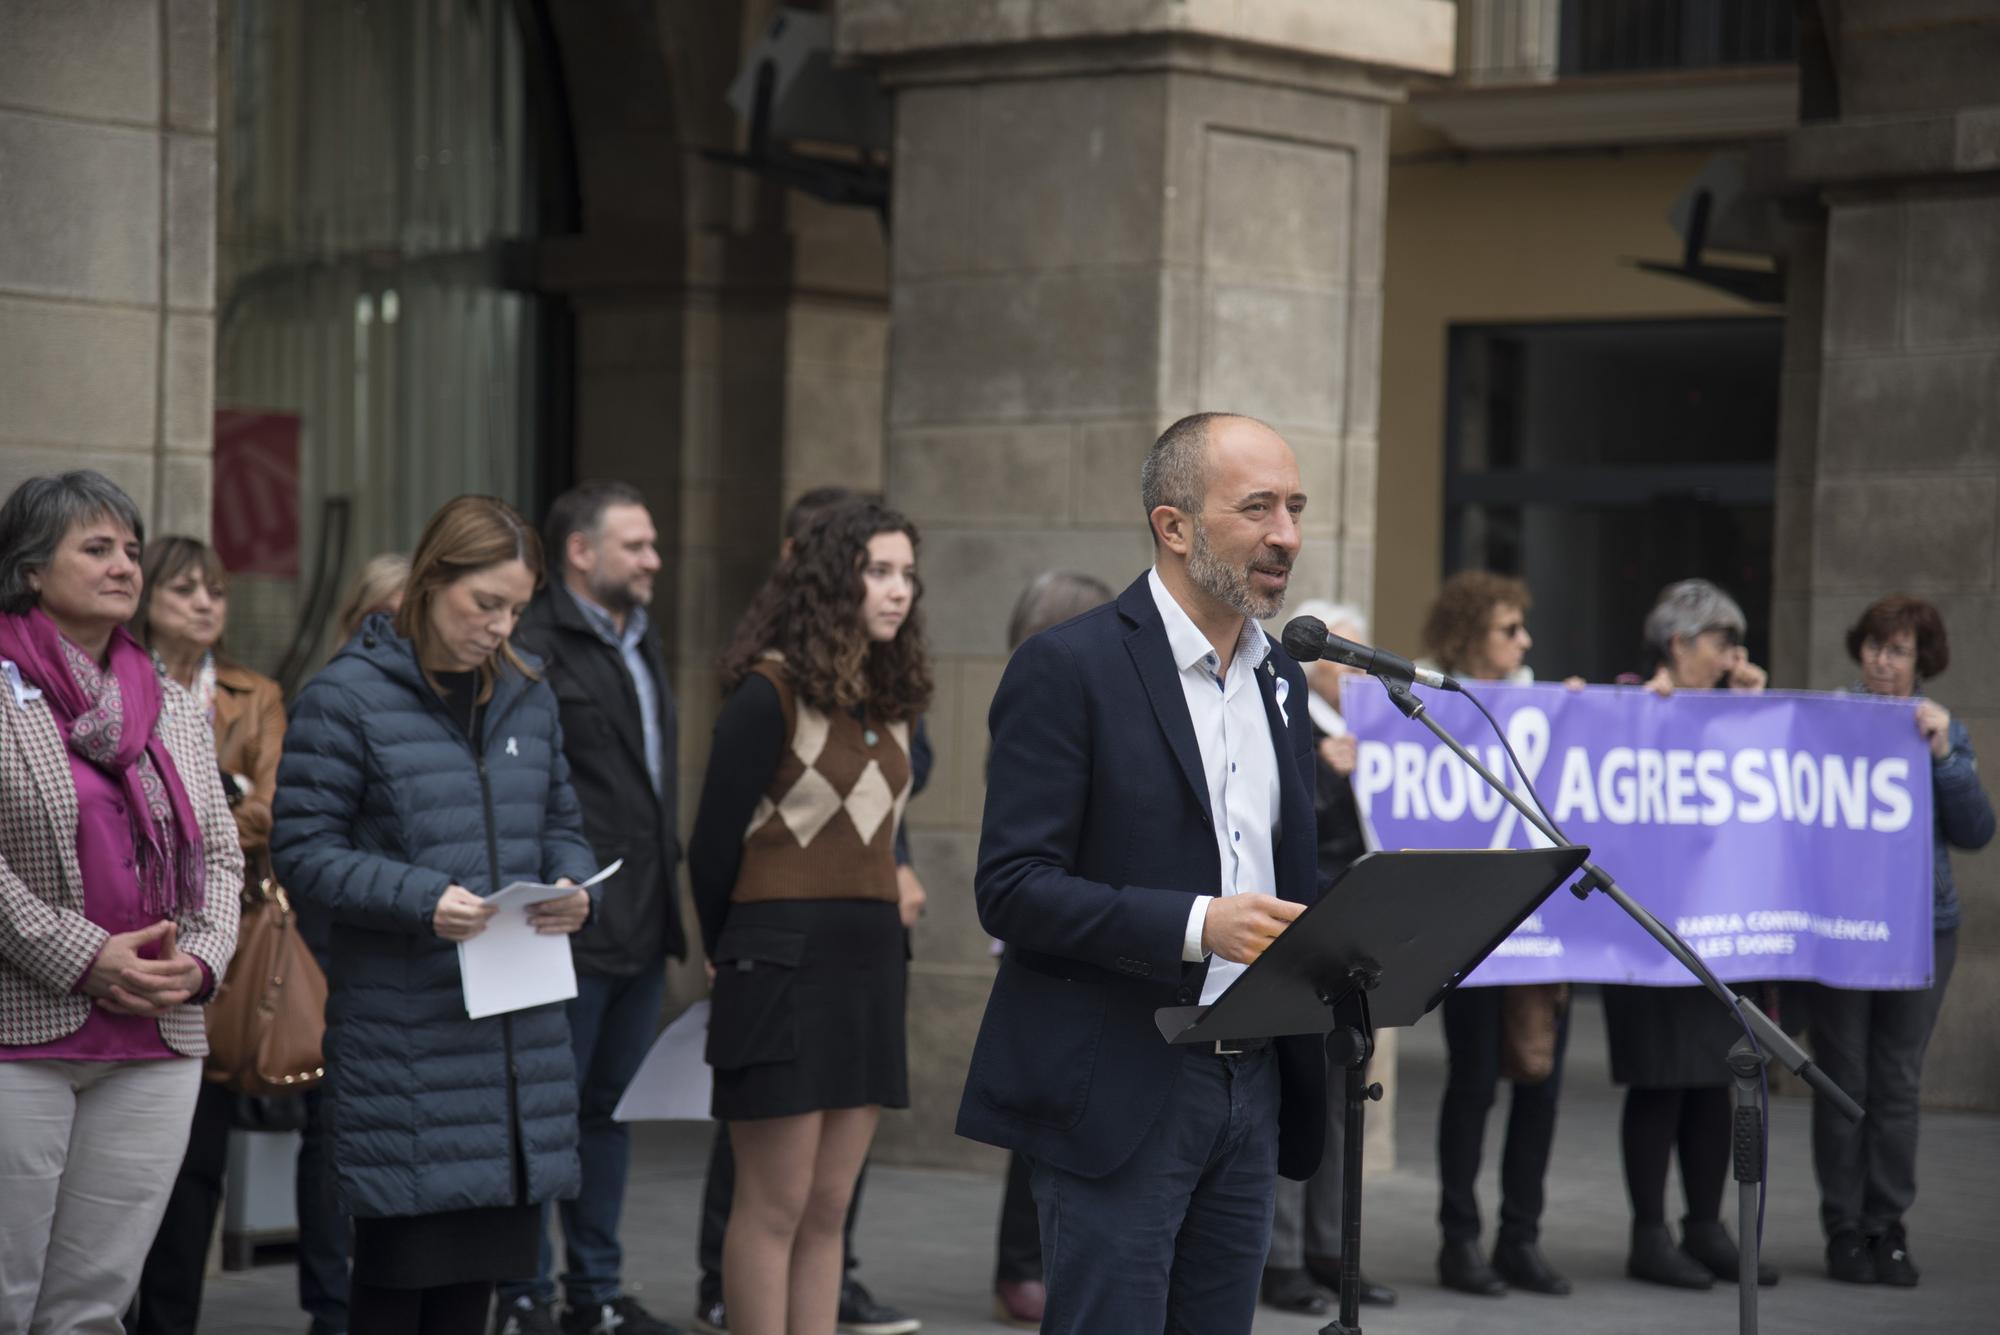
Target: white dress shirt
[(1238, 760)]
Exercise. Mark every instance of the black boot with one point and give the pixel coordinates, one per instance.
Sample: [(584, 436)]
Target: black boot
[(1291, 1290), (1655, 1259), (1523, 1266), (1461, 1267), (1708, 1242)]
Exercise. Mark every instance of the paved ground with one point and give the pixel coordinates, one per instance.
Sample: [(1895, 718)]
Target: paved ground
[(927, 1236)]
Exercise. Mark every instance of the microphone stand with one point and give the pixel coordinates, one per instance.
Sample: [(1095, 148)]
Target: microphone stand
[(1748, 1060)]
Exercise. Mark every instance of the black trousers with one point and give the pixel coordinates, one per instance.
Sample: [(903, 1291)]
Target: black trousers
[(719, 1189), (1472, 1040), (170, 1283), (1872, 1045), (1019, 1254)]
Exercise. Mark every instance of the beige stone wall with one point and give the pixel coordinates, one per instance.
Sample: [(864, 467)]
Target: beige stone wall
[(107, 247), (1091, 240)]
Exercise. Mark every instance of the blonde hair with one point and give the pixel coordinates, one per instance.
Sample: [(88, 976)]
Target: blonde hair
[(468, 534), (377, 588)]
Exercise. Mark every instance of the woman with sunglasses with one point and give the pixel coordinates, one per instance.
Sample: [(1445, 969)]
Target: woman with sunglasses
[(1477, 630), (1668, 1043)]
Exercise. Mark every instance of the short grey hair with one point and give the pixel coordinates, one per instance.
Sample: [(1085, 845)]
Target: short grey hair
[(1331, 614), (1686, 609), (40, 513), (1051, 599), (1176, 469)]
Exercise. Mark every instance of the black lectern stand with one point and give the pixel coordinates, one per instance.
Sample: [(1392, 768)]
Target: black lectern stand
[(1382, 946)]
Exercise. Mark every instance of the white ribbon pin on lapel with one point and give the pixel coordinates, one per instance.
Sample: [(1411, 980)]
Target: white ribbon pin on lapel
[(512, 749), (1284, 691), (24, 694)]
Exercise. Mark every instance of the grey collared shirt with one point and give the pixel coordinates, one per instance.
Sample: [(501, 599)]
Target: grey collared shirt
[(643, 685)]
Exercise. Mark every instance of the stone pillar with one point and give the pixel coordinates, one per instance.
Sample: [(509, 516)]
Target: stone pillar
[(1889, 464), (107, 247), (1108, 215)]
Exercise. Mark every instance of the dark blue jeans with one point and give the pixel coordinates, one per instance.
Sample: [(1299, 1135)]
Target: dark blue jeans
[(612, 1025), (1174, 1239)]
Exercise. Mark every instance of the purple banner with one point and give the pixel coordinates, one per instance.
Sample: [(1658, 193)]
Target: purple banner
[(1784, 835)]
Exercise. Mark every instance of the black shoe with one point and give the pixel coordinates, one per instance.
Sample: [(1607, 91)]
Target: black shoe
[(1655, 1259), (621, 1316), (860, 1314), (1849, 1258), (1291, 1290), (1708, 1242), (525, 1316), (711, 1317), (1892, 1259), (1461, 1267), (1523, 1266), (1327, 1270)]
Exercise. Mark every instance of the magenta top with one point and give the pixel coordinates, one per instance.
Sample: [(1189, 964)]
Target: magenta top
[(106, 853)]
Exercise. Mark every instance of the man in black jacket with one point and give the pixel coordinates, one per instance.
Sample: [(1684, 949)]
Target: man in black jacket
[(589, 627)]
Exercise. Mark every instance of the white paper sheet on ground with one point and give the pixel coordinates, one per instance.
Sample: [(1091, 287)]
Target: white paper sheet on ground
[(674, 1081), (510, 966)]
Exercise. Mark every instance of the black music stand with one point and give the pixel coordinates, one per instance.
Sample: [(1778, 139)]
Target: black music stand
[(1385, 942)]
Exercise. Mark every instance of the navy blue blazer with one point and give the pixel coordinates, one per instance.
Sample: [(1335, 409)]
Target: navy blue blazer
[(1096, 840)]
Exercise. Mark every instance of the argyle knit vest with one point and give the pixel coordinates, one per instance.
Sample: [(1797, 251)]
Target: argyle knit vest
[(826, 826)]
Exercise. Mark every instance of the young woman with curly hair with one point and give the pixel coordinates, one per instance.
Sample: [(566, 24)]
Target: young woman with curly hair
[(793, 865)]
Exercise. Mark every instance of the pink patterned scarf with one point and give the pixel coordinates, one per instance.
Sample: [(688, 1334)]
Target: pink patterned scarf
[(107, 715)]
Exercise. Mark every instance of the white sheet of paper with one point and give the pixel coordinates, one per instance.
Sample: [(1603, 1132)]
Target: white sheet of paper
[(674, 1082), (510, 966)]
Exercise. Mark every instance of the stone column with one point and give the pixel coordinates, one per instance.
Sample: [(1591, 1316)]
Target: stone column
[(107, 247), (1889, 463), (1108, 215)]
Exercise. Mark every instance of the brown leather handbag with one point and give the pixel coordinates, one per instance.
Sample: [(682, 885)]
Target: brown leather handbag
[(268, 1018), (1529, 1013)]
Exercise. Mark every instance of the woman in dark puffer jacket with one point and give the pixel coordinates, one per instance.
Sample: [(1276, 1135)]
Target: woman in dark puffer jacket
[(423, 771)]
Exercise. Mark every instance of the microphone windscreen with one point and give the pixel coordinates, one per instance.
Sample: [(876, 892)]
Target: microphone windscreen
[(1304, 638)]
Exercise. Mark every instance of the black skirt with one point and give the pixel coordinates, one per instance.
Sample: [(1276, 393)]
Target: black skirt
[(807, 1012), (1668, 1037), (427, 1251)]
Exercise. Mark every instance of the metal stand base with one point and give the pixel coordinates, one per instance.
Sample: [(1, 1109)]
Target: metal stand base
[(1356, 1032)]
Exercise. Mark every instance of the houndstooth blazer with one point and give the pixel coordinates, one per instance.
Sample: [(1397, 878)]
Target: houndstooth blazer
[(46, 944)]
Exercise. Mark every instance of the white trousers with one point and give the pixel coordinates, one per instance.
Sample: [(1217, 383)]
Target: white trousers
[(88, 1154)]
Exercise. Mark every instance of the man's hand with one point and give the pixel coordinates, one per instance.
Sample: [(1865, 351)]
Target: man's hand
[(1241, 927), (910, 896), (1934, 722), (123, 982), (460, 915), (1339, 753), (560, 917)]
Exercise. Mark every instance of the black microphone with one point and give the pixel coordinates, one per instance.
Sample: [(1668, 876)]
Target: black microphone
[(1307, 638)]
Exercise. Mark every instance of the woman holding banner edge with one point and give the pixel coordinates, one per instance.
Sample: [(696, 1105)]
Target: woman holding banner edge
[(1871, 1043), (1668, 1044), (1477, 631)]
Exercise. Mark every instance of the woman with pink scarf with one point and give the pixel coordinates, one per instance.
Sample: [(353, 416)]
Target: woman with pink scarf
[(119, 876)]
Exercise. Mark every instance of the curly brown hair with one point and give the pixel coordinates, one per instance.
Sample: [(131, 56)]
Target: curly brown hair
[(809, 611), (1902, 611), (1456, 626)]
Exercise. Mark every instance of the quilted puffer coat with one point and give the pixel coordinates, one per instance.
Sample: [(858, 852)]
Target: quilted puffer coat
[(382, 803)]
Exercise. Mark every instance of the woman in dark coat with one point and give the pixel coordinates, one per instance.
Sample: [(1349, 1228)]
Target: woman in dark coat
[(423, 771), (1871, 1043), (1668, 1043)]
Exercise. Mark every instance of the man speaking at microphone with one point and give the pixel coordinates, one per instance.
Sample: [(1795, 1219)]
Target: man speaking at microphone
[(1148, 833)]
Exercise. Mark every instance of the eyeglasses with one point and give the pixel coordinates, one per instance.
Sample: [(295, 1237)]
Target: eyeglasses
[(1511, 629), (1894, 653), (1730, 635)]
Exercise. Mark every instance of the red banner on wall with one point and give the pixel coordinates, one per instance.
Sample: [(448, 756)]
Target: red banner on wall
[(255, 521)]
